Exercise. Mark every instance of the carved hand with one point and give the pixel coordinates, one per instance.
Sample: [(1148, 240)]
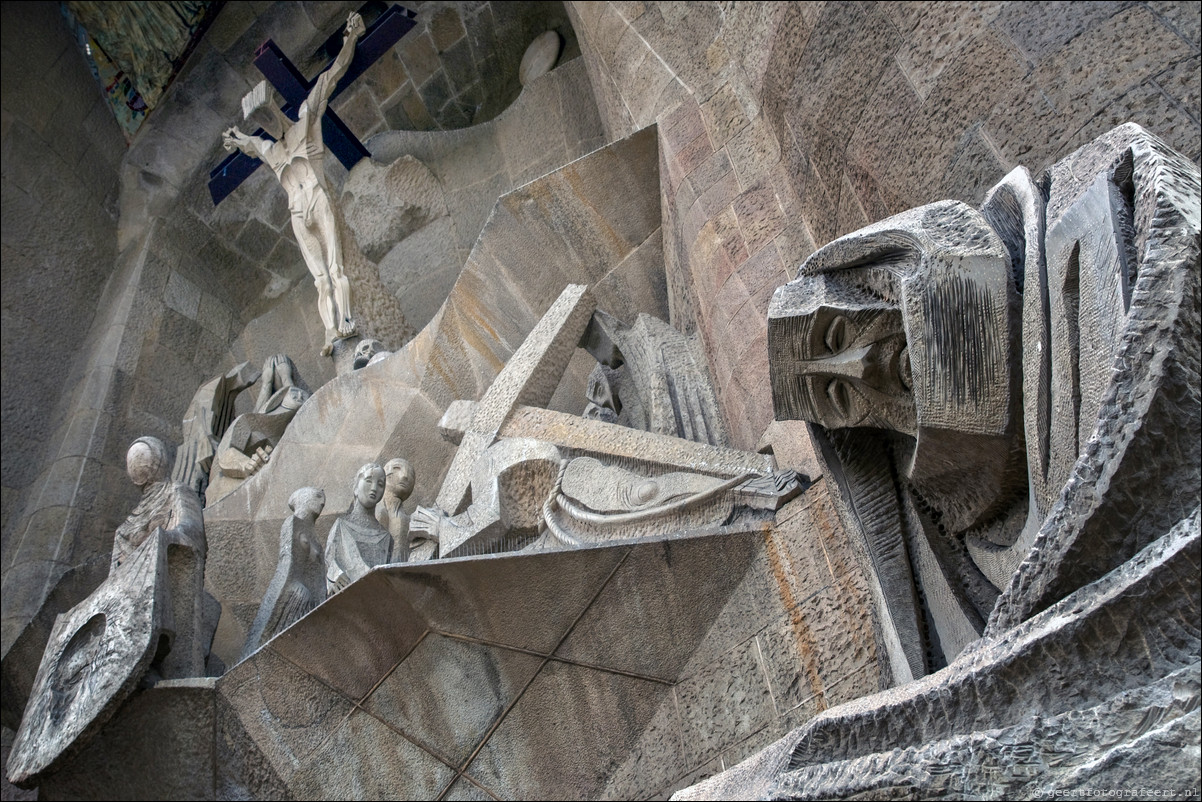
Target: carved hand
[(354, 26), (231, 138), (425, 522)]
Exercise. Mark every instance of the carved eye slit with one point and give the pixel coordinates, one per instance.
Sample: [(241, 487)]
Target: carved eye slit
[(847, 402), (840, 396), (838, 335)]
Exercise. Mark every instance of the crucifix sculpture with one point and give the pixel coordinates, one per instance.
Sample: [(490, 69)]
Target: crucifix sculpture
[(295, 150), (377, 40)]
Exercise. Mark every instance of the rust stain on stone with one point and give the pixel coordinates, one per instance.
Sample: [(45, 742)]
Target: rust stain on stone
[(617, 241), (801, 630), (472, 337)]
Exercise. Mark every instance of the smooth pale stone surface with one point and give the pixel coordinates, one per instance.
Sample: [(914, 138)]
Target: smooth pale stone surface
[(540, 57)]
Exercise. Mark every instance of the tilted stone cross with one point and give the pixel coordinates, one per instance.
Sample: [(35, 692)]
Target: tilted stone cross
[(294, 88), (529, 378), (512, 407)]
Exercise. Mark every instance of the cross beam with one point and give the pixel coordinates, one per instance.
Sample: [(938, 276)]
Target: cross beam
[(294, 88), (582, 435), (528, 379)]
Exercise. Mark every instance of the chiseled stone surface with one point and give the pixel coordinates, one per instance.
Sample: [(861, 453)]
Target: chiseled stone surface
[(393, 407), (164, 736), (780, 126)]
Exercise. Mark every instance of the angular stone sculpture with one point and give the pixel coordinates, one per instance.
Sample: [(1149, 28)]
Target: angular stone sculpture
[(368, 352), (1088, 677), (295, 153), (650, 377), (299, 583), (526, 495), (149, 617), (247, 444), (553, 480), (913, 329), (357, 541), (206, 420)]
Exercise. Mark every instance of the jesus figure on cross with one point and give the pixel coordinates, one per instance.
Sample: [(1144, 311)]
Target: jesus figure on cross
[(296, 156)]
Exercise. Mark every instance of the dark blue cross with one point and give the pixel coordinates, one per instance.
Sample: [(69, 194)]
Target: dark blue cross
[(294, 88)]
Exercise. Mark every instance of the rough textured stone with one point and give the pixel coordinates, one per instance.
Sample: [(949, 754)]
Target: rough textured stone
[(960, 94)]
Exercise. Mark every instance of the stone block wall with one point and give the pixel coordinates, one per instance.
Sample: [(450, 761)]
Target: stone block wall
[(59, 182), (791, 641), (784, 126), (457, 68)]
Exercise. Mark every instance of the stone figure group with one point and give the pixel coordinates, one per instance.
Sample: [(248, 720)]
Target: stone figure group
[(373, 531)]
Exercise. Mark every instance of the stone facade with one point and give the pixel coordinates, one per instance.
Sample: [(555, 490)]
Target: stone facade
[(735, 140)]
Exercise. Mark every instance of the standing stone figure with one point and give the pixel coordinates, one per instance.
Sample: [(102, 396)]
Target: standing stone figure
[(299, 582), (400, 478), (163, 505), (357, 540), (296, 157), (175, 509)]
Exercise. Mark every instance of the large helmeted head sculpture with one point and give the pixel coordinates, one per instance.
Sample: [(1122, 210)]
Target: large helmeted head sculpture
[(909, 327)]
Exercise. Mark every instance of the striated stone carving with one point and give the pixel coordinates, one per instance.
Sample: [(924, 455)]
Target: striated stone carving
[(295, 154), (979, 353), (650, 377), (357, 541), (1096, 286), (247, 444), (207, 418), (148, 620), (299, 583)]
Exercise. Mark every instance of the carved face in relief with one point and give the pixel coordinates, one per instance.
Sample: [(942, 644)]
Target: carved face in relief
[(853, 367), (365, 350), (307, 502), (260, 107), (904, 326), (909, 326), (400, 478), (294, 398), (369, 485), (75, 667), (603, 403)]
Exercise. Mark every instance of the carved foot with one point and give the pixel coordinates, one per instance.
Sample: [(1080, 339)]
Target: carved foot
[(346, 329), (327, 349)]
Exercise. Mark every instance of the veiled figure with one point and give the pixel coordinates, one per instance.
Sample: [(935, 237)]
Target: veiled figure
[(299, 582), (357, 540), (165, 504)]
